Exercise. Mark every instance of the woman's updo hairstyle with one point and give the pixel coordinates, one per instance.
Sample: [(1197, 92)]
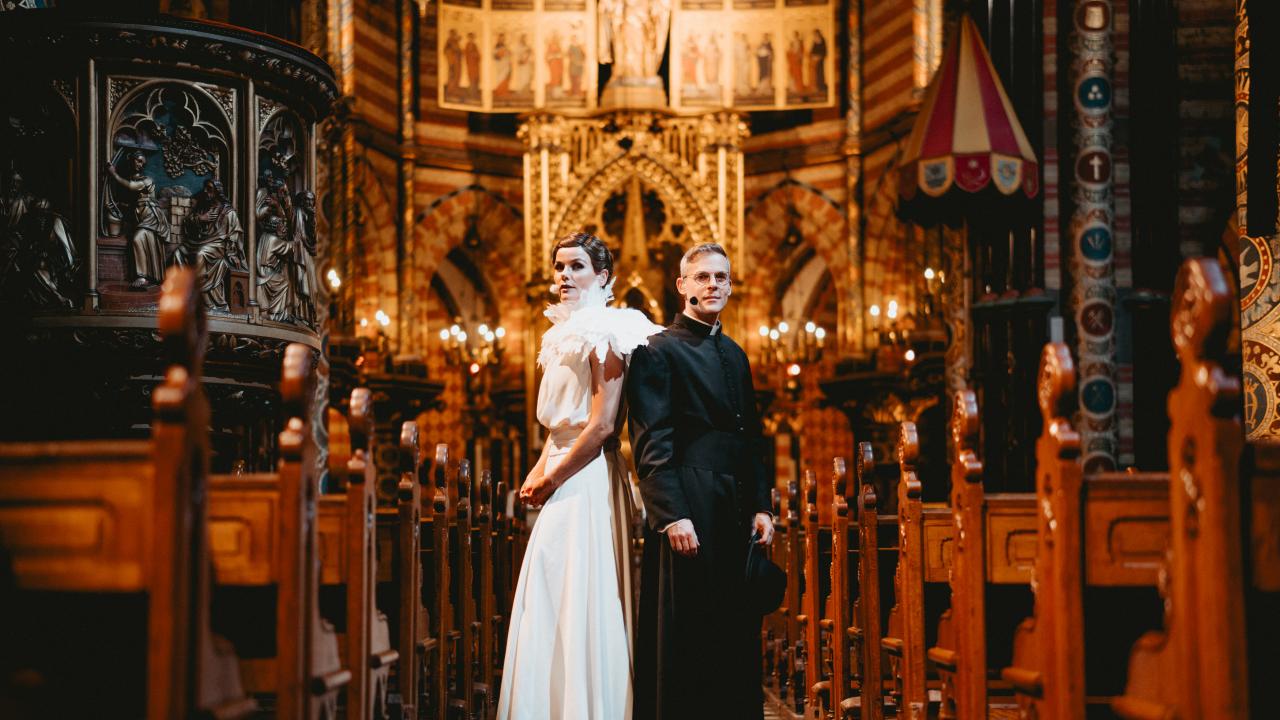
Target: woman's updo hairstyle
[(601, 258)]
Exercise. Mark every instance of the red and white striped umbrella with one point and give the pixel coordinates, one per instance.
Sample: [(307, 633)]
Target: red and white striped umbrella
[(966, 140)]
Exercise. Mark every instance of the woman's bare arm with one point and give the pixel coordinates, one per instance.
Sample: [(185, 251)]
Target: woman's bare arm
[(540, 466), (606, 397)]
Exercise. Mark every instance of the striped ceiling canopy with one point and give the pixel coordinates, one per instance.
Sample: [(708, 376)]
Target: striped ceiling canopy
[(966, 140)]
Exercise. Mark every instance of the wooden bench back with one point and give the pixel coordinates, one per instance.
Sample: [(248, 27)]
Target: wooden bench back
[(1048, 669), (867, 608), (118, 516), (904, 639), (441, 582), (841, 672), (1196, 667)]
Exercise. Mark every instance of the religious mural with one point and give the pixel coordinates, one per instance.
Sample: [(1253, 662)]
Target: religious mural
[(756, 54), (700, 49), (517, 55), (463, 31), (566, 63)]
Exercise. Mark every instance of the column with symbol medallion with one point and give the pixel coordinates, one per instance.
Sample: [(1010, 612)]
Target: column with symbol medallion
[(1093, 298)]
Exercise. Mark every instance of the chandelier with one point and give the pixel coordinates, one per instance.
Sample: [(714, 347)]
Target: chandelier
[(474, 347)]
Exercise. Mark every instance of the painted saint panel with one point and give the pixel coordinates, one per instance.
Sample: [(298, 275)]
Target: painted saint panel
[(769, 54), (512, 62), (517, 55), (700, 52), (461, 57), (568, 61), (808, 58)]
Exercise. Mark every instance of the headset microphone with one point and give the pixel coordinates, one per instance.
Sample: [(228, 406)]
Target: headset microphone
[(693, 301)]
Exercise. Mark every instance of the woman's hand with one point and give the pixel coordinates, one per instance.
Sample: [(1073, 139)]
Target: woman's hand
[(536, 490)]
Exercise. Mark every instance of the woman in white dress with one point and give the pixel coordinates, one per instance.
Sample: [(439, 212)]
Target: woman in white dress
[(568, 647)]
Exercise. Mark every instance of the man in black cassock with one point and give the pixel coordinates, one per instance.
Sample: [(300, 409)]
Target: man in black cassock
[(697, 442)]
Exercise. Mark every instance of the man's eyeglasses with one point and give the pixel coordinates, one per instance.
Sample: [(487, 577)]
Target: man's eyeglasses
[(705, 278)]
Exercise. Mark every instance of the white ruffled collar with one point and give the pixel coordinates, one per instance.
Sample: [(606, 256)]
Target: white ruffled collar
[(593, 296)]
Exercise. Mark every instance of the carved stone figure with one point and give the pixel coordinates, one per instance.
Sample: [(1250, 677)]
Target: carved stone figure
[(37, 257), (632, 36), (150, 227), (276, 253), (303, 231), (16, 201), (211, 242)]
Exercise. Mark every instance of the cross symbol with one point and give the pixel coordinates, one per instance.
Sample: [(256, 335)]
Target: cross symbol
[(1096, 164)]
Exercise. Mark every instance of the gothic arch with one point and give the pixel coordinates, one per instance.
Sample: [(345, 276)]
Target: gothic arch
[(441, 228), (674, 186), (885, 264), (822, 224), (376, 224)]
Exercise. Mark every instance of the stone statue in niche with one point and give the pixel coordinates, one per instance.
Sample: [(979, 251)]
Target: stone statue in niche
[(632, 36), (149, 229), (211, 242), (304, 245), (37, 258), (277, 252)]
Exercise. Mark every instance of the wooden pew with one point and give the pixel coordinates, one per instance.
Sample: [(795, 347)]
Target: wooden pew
[(1091, 533), (1197, 666), (92, 519), (904, 640), (348, 549), (773, 628), (505, 573), (1049, 658), (463, 651), (841, 683), (866, 609), (783, 634), (990, 540), (811, 604), (262, 535), (436, 555), (486, 542), (404, 525)]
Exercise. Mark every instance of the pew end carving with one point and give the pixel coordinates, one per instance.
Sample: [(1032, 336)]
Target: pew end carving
[(1048, 657), (904, 637), (867, 608), (960, 652), (1196, 666)]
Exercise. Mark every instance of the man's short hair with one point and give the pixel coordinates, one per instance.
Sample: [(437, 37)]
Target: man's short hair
[(701, 249)]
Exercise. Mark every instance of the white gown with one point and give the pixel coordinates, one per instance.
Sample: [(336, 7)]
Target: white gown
[(568, 654)]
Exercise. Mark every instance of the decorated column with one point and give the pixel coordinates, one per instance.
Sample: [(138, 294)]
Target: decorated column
[(1093, 296)]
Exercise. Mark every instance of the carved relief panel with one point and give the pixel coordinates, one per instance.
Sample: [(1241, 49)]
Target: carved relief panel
[(39, 257)]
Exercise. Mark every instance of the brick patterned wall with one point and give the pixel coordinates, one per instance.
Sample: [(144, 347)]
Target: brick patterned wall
[(826, 435), (376, 63), (888, 46), (445, 425), (822, 225), (888, 266)]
